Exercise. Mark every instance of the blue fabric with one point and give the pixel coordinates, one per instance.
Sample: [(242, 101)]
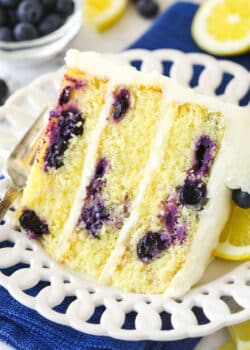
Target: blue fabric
[(173, 30), (25, 329)]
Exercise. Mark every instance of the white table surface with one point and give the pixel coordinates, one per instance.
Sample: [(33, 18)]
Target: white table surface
[(129, 28)]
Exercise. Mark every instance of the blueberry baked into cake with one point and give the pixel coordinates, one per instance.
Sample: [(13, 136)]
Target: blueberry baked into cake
[(133, 176)]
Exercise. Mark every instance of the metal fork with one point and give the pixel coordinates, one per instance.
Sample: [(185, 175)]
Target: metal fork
[(19, 162)]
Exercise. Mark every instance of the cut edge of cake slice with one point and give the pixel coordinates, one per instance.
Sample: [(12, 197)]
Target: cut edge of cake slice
[(50, 189), (87, 171), (80, 237), (230, 170)]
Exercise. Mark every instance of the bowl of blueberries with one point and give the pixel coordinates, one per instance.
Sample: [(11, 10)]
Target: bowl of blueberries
[(37, 29)]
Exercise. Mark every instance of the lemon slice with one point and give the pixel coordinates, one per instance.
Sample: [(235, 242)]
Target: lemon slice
[(234, 243), (241, 335), (102, 14), (222, 27), (229, 345)]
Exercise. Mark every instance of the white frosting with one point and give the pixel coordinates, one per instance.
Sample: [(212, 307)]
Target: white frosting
[(87, 173), (102, 67), (157, 150), (212, 221), (236, 154), (231, 168)]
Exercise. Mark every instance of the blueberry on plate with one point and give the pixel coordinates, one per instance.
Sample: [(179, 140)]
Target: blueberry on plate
[(241, 198), (9, 3), (29, 11), (147, 8), (6, 34), (65, 7), (50, 23), (4, 91), (3, 17), (25, 31)]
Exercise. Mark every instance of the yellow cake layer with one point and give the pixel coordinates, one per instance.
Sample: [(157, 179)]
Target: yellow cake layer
[(190, 122), (126, 146), (51, 194), (97, 222)]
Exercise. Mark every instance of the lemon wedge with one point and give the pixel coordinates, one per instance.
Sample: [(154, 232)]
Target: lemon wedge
[(234, 243), (222, 27), (102, 14), (240, 333)]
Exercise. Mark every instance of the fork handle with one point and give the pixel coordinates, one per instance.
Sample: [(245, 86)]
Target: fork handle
[(8, 199)]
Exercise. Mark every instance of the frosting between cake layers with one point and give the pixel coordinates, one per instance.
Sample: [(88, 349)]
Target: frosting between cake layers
[(86, 175), (230, 171), (231, 167), (163, 128), (235, 163)]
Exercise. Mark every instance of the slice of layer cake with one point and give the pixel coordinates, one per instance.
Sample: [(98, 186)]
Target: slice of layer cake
[(164, 224), (55, 178), (133, 176), (119, 162)]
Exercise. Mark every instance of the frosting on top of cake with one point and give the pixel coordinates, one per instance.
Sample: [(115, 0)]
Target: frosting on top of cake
[(105, 67), (230, 170)]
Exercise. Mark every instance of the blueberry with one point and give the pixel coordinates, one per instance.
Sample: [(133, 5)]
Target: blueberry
[(181, 233), (151, 245), (95, 187), (147, 8), (170, 214), (4, 91), (9, 3), (3, 17), (242, 199), (65, 95), (25, 31), (121, 104), (50, 23), (12, 18), (29, 11), (93, 218), (6, 34), (101, 167), (97, 182), (69, 124), (65, 7), (193, 194), (49, 5), (33, 224), (54, 156), (204, 154)]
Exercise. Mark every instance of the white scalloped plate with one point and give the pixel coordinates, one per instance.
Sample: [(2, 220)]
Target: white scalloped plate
[(224, 294)]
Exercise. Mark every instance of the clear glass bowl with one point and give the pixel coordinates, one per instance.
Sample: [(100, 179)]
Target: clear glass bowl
[(47, 46)]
